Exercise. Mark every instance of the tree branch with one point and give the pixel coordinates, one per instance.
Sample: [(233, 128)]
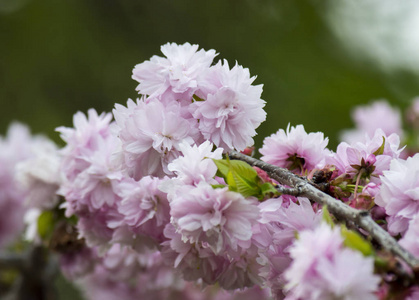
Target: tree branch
[(339, 209)]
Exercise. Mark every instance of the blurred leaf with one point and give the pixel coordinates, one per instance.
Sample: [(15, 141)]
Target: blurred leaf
[(327, 217), (354, 241), (45, 224)]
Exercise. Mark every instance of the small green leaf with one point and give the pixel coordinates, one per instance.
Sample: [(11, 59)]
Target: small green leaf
[(327, 217), (380, 150), (268, 188), (354, 241), (45, 224), (240, 177), (196, 98), (218, 186)]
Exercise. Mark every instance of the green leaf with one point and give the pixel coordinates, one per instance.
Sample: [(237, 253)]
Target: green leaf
[(380, 150), (196, 98), (240, 177), (268, 188), (223, 167), (327, 217), (45, 224), (243, 178), (354, 241), (218, 186)]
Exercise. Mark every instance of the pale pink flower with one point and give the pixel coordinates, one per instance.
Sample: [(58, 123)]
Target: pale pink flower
[(349, 276), (307, 249), (151, 134), (232, 108), (410, 240), (252, 293), (323, 269), (196, 163), (40, 175), (295, 149), (144, 208), (93, 227), (282, 220), (351, 159), (399, 193), (16, 147), (176, 75), (368, 118), (221, 218), (192, 260), (242, 271), (94, 187), (83, 140)]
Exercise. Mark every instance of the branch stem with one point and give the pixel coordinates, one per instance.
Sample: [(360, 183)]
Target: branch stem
[(339, 209)]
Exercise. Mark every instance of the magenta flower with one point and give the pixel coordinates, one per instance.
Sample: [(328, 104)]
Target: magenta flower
[(295, 149)]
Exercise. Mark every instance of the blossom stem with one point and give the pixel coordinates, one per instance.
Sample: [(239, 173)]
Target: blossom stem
[(358, 178), (339, 209)]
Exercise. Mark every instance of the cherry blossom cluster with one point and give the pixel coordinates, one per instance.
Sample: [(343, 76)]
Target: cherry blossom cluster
[(144, 202), (29, 178)]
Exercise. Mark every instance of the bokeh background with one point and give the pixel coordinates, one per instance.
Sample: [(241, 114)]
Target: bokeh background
[(316, 59)]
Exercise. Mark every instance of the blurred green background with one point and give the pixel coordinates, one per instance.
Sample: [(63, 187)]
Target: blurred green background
[(316, 59), (58, 57)]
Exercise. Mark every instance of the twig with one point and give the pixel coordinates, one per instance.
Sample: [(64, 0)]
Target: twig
[(339, 209), (36, 270)]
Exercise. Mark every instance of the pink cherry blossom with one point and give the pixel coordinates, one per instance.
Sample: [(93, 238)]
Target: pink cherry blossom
[(232, 108), (399, 193), (144, 208), (351, 159), (377, 115), (295, 149), (17, 147), (195, 164), (151, 134), (82, 140), (323, 269), (410, 240), (218, 217), (176, 75)]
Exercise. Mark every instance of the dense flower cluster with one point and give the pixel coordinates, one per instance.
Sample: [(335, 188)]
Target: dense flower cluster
[(154, 209)]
